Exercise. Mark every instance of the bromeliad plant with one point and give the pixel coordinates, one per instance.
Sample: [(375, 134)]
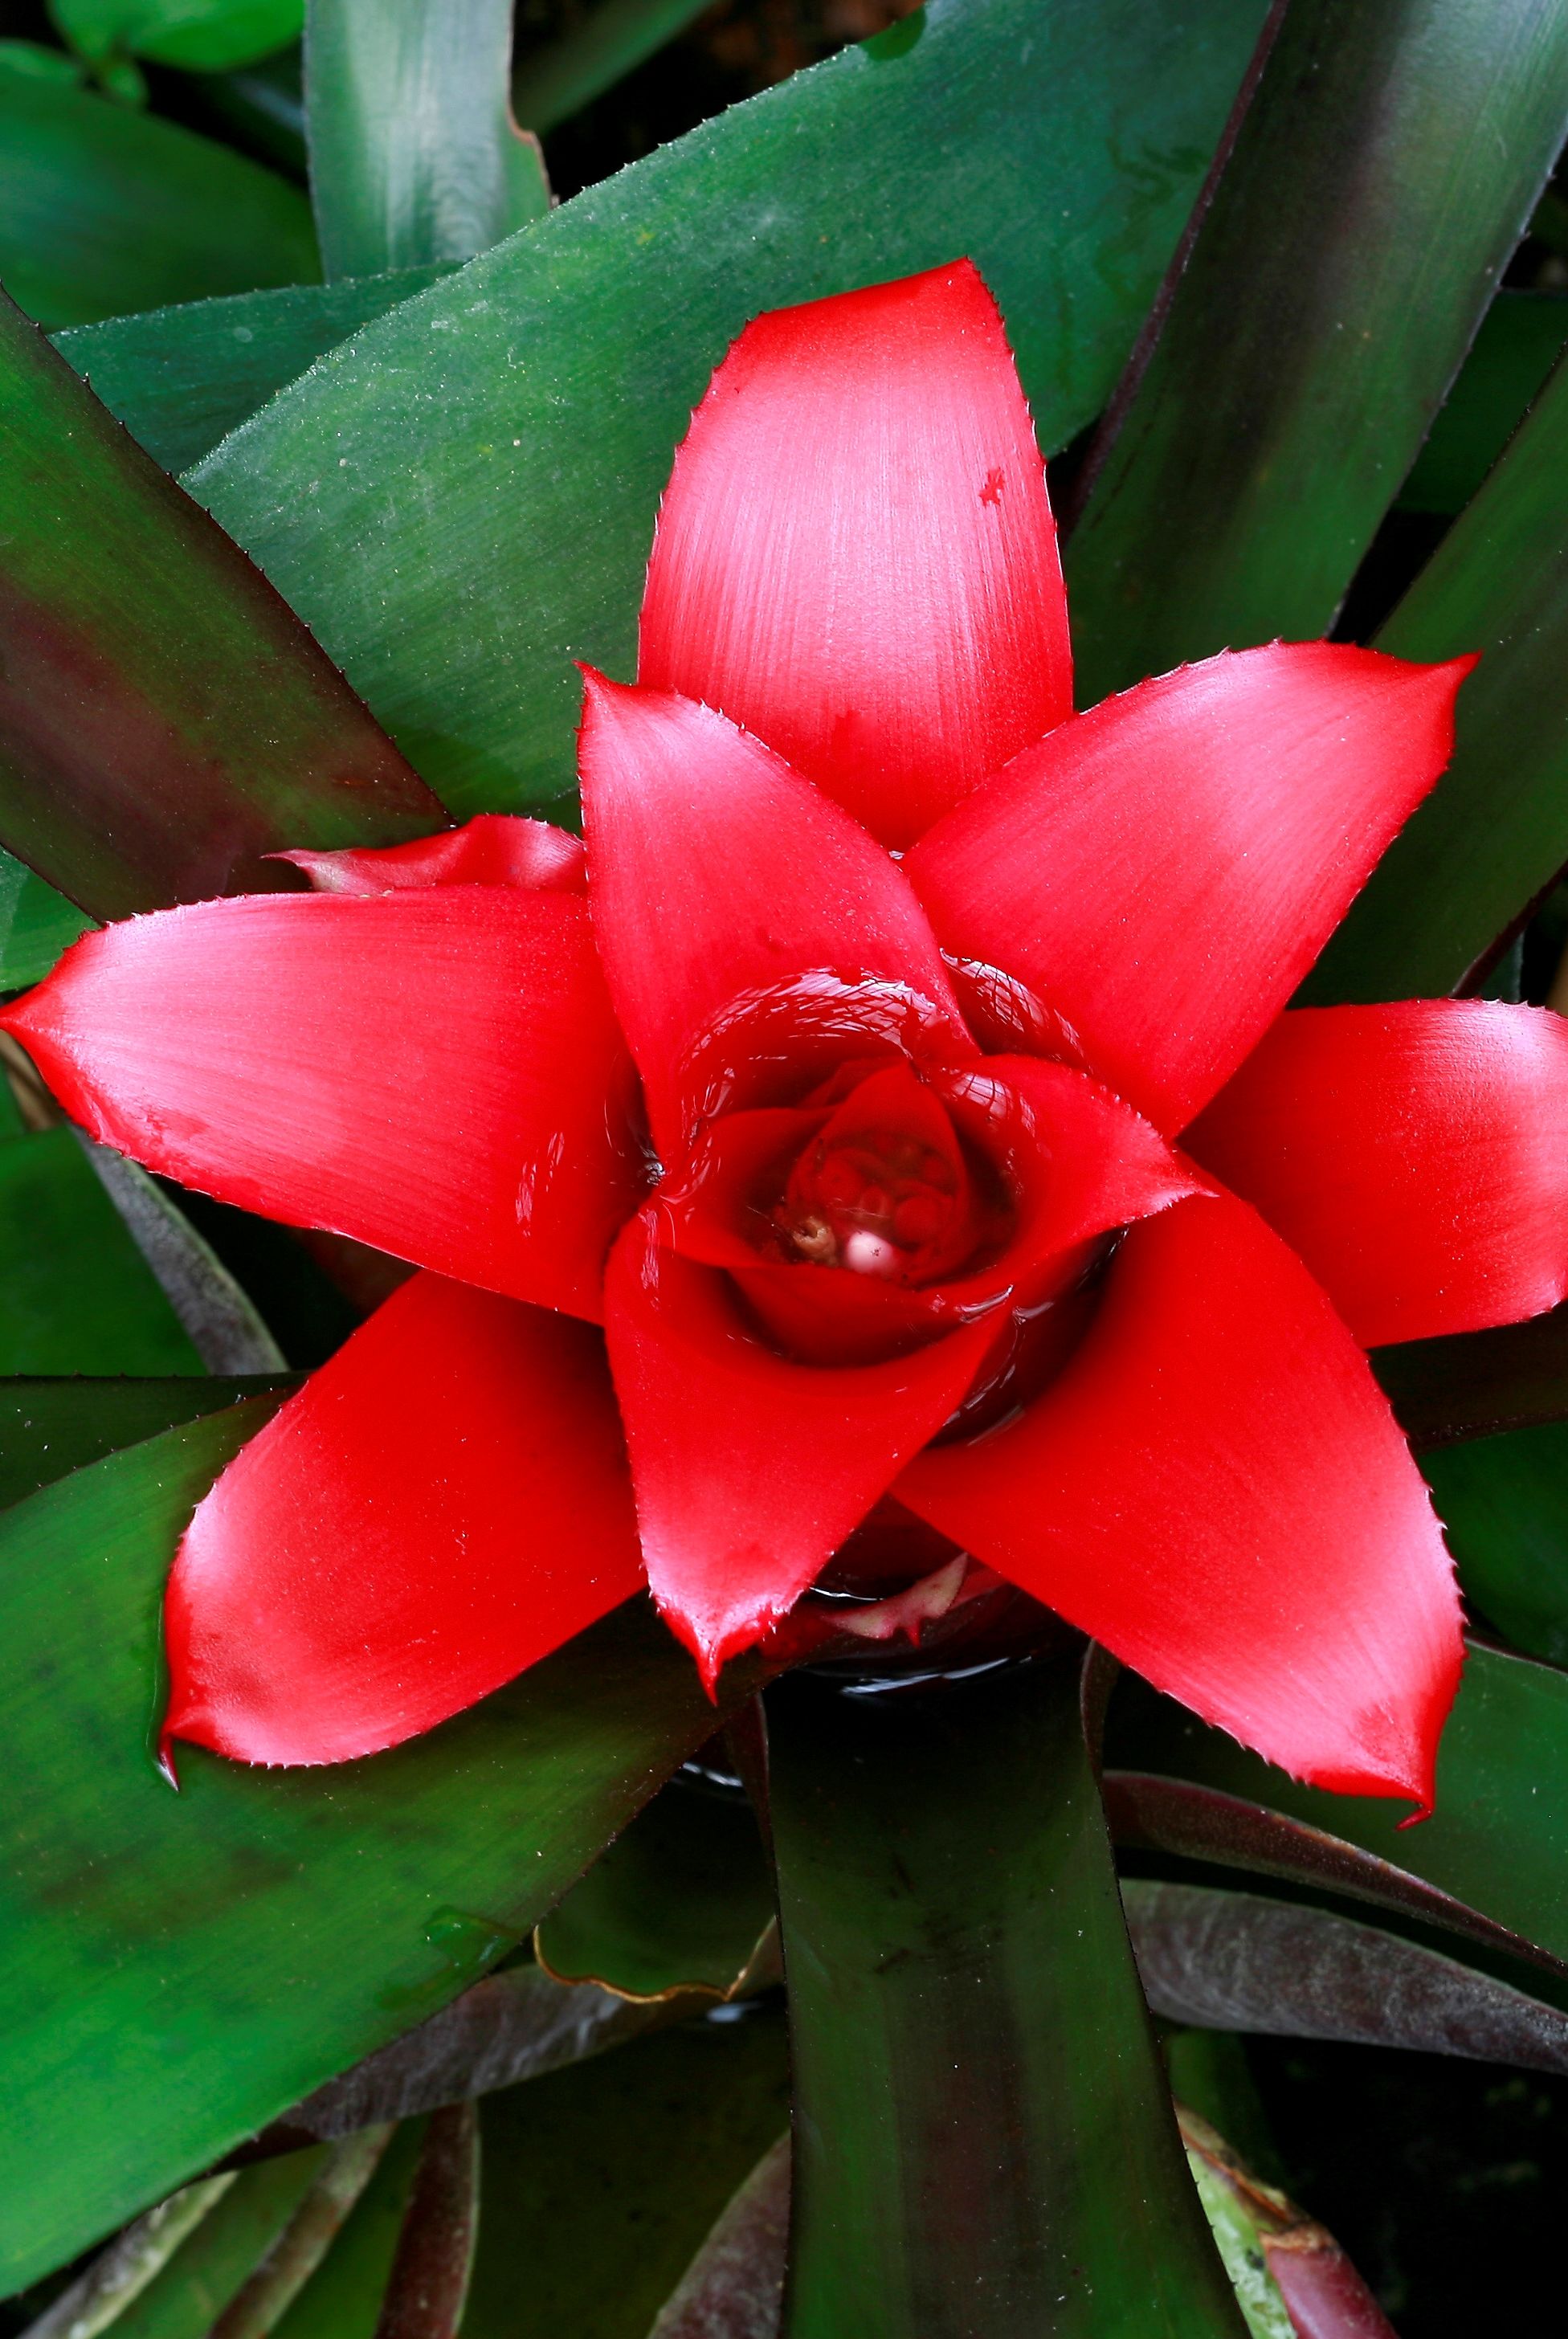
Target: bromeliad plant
[(881, 1191), (838, 1075)]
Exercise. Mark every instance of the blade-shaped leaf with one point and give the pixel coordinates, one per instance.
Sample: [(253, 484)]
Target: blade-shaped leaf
[(1473, 1383), (202, 35), (734, 2287), (261, 1930), (487, 461), (220, 1321), (1237, 1961), (414, 154), (108, 2284), (181, 379), (49, 1428), (561, 75), (164, 720), (1386, 168), (342, 2299), (514, 2025), (1522, 336), (273, 2284), (1493, 832), (975, 2083), (76, 1294), (35, 925), (206, 2271), (1498, 1838), (678, 1902), (1504, 1502), (1292, 2279), (108, 210), (428, 2287), (599, 2184)]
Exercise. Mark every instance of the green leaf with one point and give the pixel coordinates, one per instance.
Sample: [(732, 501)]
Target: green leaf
[(1498, 1839), (224, 1326), (735, 2284), (186, 2298), (35, 924), (263, 1928), (76, 1296), (1504, 1503), (975, 2082), (108, 210), (1522, 336), (276, 2280), (49, 1428), (456, 570), (32, 57), (108, 2283), (678, 1902), (1493, 832), (342, 2299), (181, 379), (556, 79), (1471, 1384), (414, 154), (203, 35), (600, 2183), (164, 720), (1385, 170)]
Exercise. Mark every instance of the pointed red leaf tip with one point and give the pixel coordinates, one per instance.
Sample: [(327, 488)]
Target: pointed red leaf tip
[(1415, 1155), (1164, 869), (714, 871), (750, 1470), (1215, 1488), (436, 1073), (492, 849), (441, 1505), (856, 557)]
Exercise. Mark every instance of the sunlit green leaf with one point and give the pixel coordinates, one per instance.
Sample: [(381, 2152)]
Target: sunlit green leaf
[(415, 158), (461, 502), (181, 379), (35, 924), (261, 1930)]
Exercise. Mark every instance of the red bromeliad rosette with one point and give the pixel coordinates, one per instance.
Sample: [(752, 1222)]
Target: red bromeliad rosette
[(867, 1166)]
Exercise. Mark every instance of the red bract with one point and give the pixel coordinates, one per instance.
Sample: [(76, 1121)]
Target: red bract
[(867, 1166)]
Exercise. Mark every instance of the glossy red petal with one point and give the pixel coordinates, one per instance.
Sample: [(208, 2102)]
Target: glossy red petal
[(750, 1470), (435, 1073), (856, 557), (1164, 870), (1416, 1155), (442, 1505), (716, 870), (492, 849), (1076, 1160), (1215, 1488)]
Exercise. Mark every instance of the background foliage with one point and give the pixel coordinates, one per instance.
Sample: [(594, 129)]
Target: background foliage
[(436, 414)]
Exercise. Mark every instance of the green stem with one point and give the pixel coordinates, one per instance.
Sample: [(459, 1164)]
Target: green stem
[(984, 2141)]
